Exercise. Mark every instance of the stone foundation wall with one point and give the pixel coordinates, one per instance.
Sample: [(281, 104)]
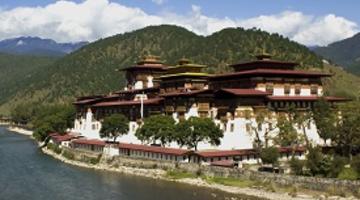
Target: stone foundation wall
[(313, 183)]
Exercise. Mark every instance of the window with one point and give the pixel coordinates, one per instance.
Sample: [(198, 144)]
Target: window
[(297, 89), (314, 90), (287, 89), (270, 88), (248, 127)]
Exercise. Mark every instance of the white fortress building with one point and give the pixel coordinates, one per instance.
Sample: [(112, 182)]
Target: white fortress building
[(263, 87)]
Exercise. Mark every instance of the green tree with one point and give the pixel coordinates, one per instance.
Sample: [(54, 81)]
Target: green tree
[(270, 155), (157, 127), (347, 136), (325, 119), (287, 135), (51, 118), (195, 130), (317, 163), (114, 126), (262, 118)]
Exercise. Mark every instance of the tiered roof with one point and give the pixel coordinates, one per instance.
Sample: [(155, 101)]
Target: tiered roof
[(149, 62), (185, 68), (264, 61), (271, 72)]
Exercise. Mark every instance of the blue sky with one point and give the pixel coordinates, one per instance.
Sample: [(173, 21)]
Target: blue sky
[(307, 20), (230, 8)]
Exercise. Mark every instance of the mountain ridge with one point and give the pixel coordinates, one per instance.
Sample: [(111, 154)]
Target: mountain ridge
[(37, 46), (91, 69), (345, 53)]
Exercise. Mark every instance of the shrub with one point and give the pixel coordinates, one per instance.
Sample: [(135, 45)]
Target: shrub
[(317, 163), (355, 163), (296, 166), (348, 174), (270, 155), (337, 165), (53, 147), (69, 155)]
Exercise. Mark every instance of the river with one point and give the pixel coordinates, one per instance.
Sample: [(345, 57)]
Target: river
[(26, 173)]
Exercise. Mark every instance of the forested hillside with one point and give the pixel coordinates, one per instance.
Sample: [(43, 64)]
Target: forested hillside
[(18, 72), (345, 53), (92, 69)]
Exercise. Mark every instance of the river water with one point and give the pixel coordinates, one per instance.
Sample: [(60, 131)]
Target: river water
[(26, 173)]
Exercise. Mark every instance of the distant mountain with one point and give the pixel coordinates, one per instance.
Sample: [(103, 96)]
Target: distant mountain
[(345, 53), (92, 69), (38, 46)]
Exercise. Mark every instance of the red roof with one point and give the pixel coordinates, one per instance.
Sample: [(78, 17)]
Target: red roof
[(305, 98), (127, 103), (264, 63), (244, 92), (60, 138), (273, 72), (224, 153), (86, 101), (154, 149), (189, 93), (89, 142), (289, 149)]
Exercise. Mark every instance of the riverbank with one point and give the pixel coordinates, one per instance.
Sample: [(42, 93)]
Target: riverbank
[(260, 191), (20, 130), (283, 194)]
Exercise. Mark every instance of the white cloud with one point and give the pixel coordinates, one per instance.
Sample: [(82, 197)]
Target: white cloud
[(93, 19)]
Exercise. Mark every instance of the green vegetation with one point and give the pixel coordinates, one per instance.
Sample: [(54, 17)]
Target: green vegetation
[(91, 70), (194, 130), (231, 181), (17, 73), (270, 155), (114, 126), (54, 148), (177, 174), (68, 155), (186, 133), (157, 127), (44, 119)]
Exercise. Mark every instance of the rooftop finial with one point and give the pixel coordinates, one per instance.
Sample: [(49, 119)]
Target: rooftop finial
[(264, 55), (184, 61)]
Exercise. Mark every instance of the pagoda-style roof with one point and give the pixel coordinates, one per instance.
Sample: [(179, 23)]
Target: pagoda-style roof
[(149, 62), (263, 61), (186, 74), (272, 73), (154, 101), (185, 68)]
